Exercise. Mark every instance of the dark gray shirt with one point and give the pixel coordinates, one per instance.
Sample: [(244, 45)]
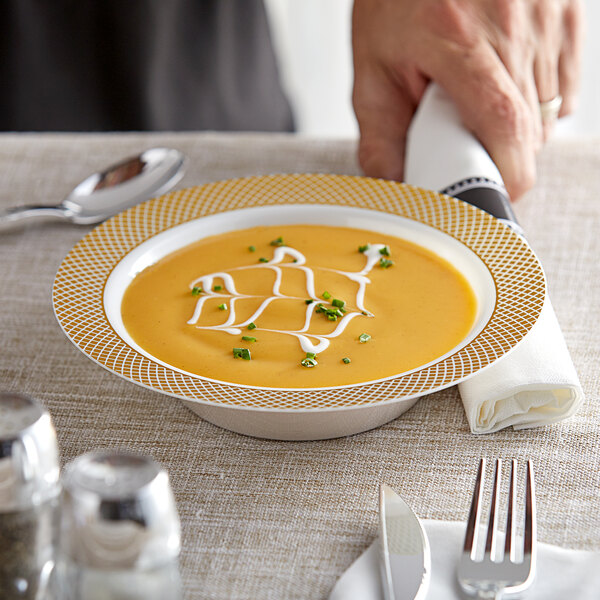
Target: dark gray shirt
[(93, 65)]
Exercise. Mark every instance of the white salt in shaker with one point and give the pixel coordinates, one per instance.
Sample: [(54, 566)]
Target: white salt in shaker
[(29, 490), (120, 532)]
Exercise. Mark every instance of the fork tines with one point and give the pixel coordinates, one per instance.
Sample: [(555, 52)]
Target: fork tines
[(499, 571)]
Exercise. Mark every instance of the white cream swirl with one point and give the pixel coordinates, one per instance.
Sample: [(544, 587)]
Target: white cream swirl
[(308, 342)]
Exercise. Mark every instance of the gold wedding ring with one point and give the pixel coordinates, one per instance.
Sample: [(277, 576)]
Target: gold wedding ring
[(549, 110)]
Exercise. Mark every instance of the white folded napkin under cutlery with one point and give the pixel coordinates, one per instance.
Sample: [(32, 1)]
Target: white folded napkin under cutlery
[(536, 383), (561, 574)]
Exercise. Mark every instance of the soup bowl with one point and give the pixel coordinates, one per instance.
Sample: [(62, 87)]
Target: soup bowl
[(503, 272)]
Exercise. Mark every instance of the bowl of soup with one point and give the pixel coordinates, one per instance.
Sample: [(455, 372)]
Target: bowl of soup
[(300, 306)]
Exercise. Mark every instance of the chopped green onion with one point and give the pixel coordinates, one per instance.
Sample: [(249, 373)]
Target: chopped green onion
[(346, 360), (196, 291), (309, 362), (222, 306), (311, 355), (263, 259), (386, 263), (251, 326), (363, 338), (277, 242), (252, 248), (385, 251), (295, 260), (326, 295), (320, 308), (242, 353), (309, 301), (332, 316), (363, 248), (218, 288), (338, 303), (248, 338)]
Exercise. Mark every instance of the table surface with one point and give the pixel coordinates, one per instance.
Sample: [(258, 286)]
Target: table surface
[(277, 520)]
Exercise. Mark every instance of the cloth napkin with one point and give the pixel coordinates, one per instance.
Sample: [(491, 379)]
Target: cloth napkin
[(561, 574), (535, 384)]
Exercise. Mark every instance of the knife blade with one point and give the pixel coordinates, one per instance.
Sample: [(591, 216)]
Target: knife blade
[(405, 554)]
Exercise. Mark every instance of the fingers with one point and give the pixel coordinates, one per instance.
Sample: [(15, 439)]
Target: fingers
[(570, 55), (558, 28), (380, 110), (547, 23), (384, 110), (530, 94), (387, 87), (493, 108), (515, 45)]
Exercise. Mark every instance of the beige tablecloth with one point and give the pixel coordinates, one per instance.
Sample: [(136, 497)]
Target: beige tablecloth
[(279, 520)]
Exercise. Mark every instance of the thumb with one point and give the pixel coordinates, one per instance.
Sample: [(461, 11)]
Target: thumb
[(384, 110)]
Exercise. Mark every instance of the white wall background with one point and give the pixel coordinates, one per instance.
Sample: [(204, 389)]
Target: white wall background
[(313, 42)]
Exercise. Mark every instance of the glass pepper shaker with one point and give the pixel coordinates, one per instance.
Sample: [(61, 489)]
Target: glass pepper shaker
[(29, 492), (120, 533)]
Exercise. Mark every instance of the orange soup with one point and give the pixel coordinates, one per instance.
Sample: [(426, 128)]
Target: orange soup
[(299, 306)]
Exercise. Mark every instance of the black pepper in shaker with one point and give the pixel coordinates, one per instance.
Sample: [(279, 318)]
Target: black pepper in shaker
[(29, 491)]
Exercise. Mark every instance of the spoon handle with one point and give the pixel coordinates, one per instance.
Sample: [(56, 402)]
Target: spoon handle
[(20, 213)]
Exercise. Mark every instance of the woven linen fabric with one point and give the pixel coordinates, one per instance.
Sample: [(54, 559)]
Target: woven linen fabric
[(282, 520)]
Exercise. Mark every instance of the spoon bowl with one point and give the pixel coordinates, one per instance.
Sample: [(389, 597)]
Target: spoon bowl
[(108, 192)]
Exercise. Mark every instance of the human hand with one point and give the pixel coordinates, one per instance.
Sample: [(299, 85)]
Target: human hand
[(497, 59)]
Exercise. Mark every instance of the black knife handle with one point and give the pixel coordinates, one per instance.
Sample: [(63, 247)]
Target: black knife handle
[(486, 195)]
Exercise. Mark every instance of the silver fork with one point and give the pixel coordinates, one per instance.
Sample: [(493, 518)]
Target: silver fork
[(492, 577)]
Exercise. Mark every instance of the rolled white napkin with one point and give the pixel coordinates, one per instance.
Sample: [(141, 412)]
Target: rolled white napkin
[(560, 574), (535, 384)]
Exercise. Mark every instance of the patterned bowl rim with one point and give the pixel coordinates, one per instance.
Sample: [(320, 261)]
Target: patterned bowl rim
[(80, 281)]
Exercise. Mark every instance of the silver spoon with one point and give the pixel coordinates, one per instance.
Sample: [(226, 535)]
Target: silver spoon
[(104, 194)]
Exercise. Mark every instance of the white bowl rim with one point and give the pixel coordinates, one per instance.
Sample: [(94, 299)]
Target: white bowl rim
[(179, 234), (406, 199)]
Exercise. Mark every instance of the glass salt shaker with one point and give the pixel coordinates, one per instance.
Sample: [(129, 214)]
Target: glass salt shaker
[(120, 533), (29, 492)]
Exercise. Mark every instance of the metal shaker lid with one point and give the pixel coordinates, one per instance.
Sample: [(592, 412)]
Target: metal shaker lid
[(29, 465), (118, 512)]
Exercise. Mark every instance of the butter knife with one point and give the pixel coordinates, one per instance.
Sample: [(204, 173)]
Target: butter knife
[(405, 554)]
